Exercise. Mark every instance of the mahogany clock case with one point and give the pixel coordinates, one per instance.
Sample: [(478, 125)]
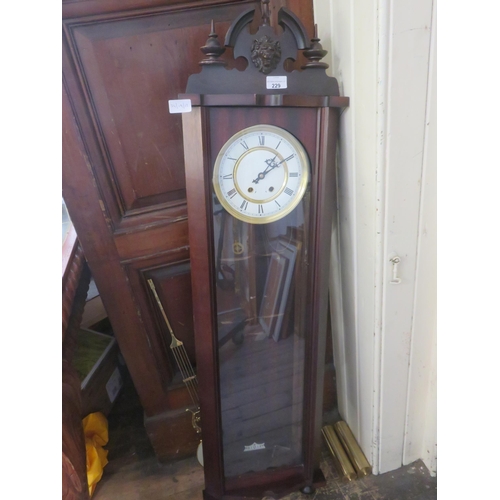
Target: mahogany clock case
[(316, 129), (261, 394), (260, 290)]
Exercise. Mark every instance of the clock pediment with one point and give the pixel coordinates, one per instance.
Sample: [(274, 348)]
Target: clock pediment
[(266, 52)]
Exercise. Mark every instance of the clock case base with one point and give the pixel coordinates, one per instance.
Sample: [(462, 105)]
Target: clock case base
[(223, 102), (277, 493)]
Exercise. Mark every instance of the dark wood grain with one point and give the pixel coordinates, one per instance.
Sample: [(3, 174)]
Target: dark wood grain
[(323, 191), (103, 8), (197, 155), (266, 100), (173, 428)]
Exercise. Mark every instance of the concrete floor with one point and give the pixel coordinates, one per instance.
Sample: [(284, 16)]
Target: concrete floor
[(133, 472)]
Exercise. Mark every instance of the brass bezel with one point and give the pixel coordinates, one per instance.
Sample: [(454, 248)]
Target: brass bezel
[(299, 194)]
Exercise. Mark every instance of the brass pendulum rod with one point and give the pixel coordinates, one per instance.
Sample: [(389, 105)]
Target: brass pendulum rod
[(180, 355), (186, 369)]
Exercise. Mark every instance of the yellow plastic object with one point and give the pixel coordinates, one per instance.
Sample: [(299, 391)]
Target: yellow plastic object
[(95, 429)]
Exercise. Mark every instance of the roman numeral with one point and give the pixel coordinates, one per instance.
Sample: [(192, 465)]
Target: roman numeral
[(262, 139), (234, 159), (231, 193), (244, 144), (278, 145), (288, 191), (289, 158), (293, 174), (261, 209), (277, 203), (244, 205), (228, 176)]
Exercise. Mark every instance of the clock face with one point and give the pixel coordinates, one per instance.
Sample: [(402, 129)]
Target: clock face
[(261, 174)]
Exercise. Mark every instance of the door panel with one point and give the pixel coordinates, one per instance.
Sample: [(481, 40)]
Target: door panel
[(131, 71), (129, 67)]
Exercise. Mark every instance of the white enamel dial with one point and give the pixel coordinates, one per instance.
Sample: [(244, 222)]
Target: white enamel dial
[(261, 174)]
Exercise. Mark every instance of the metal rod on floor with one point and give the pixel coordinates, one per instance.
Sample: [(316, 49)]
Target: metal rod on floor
[(351, 446), (339, 455)]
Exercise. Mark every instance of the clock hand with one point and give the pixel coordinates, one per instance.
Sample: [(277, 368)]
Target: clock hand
[(269, 168), (270, 165)]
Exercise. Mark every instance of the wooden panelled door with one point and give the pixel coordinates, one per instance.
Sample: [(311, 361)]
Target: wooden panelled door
[(124, 180)]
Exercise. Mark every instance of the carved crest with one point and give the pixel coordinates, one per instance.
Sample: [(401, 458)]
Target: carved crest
[(266, 54), (266, 51)]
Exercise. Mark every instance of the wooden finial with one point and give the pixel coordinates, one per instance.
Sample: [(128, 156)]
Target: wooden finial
[(315, 52), (212, 49)]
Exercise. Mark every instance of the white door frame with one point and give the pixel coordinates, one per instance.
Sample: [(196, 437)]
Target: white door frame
[(383, 54)]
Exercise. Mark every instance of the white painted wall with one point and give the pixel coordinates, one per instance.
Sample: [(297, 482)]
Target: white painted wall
[(383, 54), (420, 437)]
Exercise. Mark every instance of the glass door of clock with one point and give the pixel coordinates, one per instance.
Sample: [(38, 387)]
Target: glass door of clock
[(261, 276)]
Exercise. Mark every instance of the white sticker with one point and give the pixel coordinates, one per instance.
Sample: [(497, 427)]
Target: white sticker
[(276, 82), (114, 385), (255, 446), (179, 105)]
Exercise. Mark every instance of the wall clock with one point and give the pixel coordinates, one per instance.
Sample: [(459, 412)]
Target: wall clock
[(260, 174)]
